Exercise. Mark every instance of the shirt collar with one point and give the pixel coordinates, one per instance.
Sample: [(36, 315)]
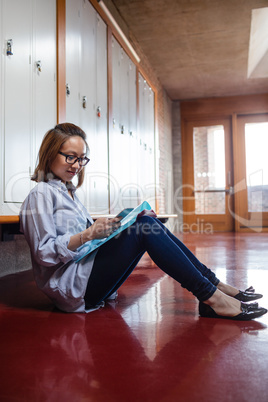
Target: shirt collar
[(60, 185)]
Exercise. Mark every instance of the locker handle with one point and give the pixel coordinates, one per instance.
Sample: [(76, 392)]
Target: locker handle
[(9, 47), (68, 89), (84, 102), (39, 66)]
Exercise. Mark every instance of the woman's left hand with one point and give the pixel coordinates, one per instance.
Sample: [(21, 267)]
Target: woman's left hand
[(147, 212)]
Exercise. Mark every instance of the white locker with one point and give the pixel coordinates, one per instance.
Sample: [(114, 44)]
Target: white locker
[(115, 144), (133, 151), (100, 108), (124, 175), (88, 70), (44, 81), (147, 179), (17, 90), (87, 96), (28, 92), (142, 169), (1, 106), (151, 192), (86, 103), (96, 74), (123, 137), (73, 62)]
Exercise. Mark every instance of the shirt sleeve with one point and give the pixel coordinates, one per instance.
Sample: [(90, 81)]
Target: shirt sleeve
[(48, 248)]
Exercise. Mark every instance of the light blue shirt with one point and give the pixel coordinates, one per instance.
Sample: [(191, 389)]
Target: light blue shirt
[(49, 217)]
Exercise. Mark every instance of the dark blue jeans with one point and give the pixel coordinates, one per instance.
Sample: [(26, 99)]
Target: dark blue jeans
[(117, 258)]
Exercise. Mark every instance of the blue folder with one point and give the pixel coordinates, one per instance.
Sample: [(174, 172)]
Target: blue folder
[(127, 221)]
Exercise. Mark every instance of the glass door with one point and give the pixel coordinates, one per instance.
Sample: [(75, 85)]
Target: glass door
[(251, 189), (207, 176)]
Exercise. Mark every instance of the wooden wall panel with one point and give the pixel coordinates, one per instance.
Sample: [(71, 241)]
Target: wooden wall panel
[(248, 104), (61, 61)]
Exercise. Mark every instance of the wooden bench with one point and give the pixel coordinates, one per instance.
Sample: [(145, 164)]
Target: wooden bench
[(162, 217), (9, 226), (4, 219)]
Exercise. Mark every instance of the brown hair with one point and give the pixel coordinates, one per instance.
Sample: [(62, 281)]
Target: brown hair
[(51, 144)]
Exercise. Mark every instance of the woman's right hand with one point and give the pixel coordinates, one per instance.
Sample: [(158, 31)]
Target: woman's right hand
[(103, 227)]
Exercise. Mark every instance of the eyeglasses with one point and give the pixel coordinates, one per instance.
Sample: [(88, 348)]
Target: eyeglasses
[(71, 159)]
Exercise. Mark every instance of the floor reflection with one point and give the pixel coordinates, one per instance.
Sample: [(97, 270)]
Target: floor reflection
[(150, 345), (102, 356)]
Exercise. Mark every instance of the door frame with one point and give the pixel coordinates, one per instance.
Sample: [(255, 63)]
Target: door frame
[(219, 107), (205, 222), (245, 221)]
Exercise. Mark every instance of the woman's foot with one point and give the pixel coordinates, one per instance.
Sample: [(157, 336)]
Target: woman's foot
[(223, 304), (245, 296), (220, 305), (227, 289), (247, 312)]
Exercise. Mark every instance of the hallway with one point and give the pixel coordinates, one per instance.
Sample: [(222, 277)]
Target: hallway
[(149, 345)]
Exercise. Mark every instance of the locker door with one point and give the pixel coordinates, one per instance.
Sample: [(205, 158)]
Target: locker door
[(146, 141), (73, 62), (149, 144), (125, 174), (88, 70), (44, 81), (132, 113), (142, 168), (151, 148), (100, 117), (115, 145), (2, 41), (86, 73), (87, 96), (17, 88)]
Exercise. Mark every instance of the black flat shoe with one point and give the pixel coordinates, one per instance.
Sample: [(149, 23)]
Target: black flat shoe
[(251, 306), (248, 312), (248, 295)]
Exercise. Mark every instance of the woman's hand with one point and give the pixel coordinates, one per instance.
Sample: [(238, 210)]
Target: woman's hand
[(147, 212), (102, 227)]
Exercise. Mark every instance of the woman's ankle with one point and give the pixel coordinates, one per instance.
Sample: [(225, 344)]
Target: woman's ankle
[(214, 299), (223, 304), (227, 289)]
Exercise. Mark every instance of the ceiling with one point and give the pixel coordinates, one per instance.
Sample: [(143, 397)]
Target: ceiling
[(198, 48)]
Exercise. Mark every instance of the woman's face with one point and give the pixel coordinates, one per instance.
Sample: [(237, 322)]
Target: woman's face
[(74, 146)]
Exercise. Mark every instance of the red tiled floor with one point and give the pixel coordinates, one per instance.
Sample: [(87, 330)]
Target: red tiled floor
[(150, 345)]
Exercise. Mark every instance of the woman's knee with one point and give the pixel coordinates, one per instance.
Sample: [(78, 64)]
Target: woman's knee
[(148, 225)]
